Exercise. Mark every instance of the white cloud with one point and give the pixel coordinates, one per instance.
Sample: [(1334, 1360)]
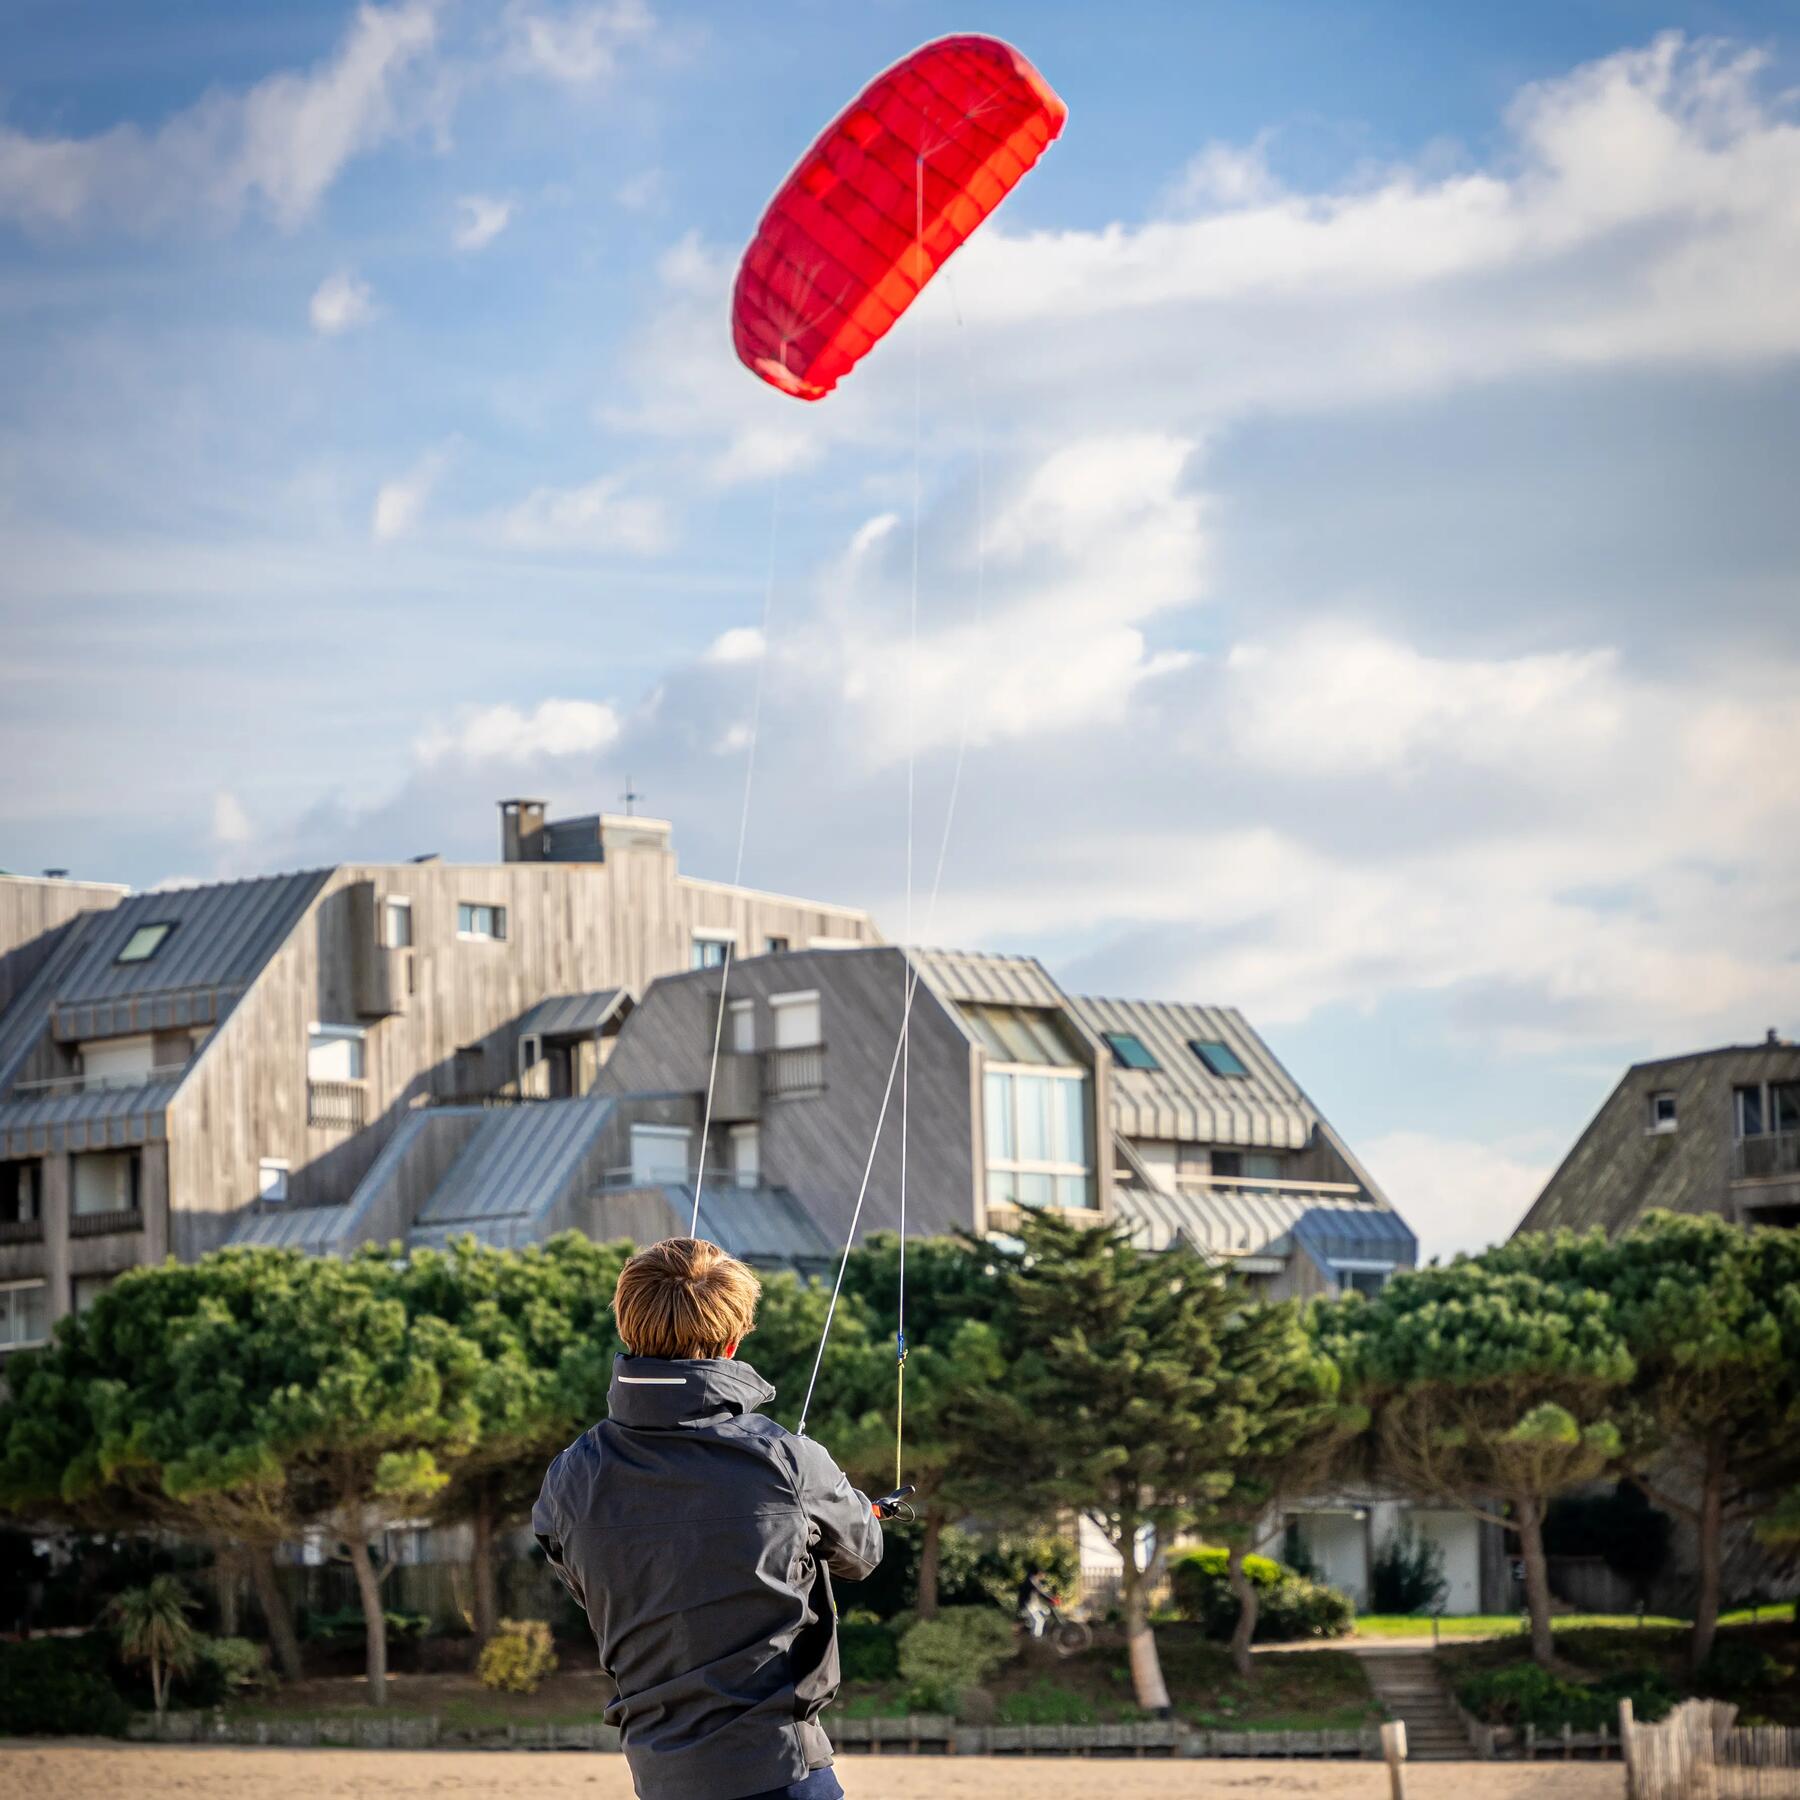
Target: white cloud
[(576, 45), (230, 823), (598, 516), (1456, 1194), (642, 191), (400, 503), (481, 219), (741, 644), (341, 303), (278, 145), (488, 734)]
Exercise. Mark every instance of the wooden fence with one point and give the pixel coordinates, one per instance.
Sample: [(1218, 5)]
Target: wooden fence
[(1696, 1754)]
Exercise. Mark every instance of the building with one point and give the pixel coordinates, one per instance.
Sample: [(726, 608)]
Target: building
[(315, 1057), (1717, 1131)]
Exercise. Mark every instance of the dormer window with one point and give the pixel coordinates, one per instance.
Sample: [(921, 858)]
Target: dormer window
[(1219, 1059), (145, 942), (1129, 1051), (1662, 1112)]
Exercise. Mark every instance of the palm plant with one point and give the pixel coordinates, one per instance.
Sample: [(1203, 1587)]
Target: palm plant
[(153, 1628)]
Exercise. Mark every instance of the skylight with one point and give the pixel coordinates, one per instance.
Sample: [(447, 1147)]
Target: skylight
[(1128, 1050), (1221, 1059), (144, 942)]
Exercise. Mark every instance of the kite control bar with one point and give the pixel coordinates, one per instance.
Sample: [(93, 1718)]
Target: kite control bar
[(893, 1506)]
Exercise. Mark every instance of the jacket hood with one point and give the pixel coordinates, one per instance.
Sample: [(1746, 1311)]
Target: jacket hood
[(651, 1392)]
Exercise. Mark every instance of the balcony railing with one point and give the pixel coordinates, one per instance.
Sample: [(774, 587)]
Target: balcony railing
[(21, 1231), (789, 1073), (104, 1224), (1774, 1153), (61, 1086), (335, 1105)]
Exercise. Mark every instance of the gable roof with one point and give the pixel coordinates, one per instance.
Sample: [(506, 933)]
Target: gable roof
[(1182, 1100)]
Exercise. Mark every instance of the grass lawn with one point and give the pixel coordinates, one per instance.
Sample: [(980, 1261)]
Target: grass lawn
[(570, 1697), (1495, 1625)]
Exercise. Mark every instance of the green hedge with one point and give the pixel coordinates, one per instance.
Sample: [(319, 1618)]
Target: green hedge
[(52, 1687), (1289, 1606), (867, 1652), (1524, 1694), (941, 1659)]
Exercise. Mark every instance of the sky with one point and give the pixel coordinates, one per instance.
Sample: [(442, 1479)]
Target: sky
[(1350, 484)]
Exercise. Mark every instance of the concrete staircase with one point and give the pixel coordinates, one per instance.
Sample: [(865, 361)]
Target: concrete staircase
[(1405, 1679)]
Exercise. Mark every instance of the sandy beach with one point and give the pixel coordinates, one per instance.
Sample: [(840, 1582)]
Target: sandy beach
[(155, 1772)]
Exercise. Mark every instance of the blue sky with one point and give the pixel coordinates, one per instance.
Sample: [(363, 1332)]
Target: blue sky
[(1356, 539)]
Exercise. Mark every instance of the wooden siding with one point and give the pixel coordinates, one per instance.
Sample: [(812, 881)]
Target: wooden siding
[(816, 1146), (570, 928), (33, 918), (1619, 1169)]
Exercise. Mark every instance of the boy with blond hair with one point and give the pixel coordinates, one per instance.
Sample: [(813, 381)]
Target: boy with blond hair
[(701, 1538)]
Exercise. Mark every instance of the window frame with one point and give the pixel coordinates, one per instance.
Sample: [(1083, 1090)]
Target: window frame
[(467, 911), (1740, 1093), (1122, 1058), (781, 1003), (163, 928), (777, 946), (1015, 1165), (266, 1165), (1658, 1125), (1202, 1048), (353, 1034), (133, 1156), (393, 905), (20, 1285), (739, 1012)]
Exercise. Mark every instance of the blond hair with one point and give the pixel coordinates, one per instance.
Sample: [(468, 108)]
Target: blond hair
[(684, 1297)]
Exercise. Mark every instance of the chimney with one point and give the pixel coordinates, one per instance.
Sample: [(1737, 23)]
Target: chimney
[(521, 831), (63, 875)]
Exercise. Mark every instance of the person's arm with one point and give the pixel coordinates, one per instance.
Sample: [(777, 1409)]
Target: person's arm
[(849, 1533), (546, 1525)]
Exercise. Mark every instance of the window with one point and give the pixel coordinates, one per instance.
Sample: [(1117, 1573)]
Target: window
[(659, 1154), (798, 1025), (396, 923), (476, 920), (710, 949), (746, 1155), (105, 1181), (743, 1026), (1022, 1034), (1128, 1050), (18, 1193), (84, 1290), (118, 1060), (1662, 1112), (775, 946), (1260, 1165), (1219, 1058), (1228, 1164), (24, 1314), (1784, 1103), (334, 1053), (1037, 1139), (144, 942), (1362, 1281), (272, 1180), (1749, 1104)]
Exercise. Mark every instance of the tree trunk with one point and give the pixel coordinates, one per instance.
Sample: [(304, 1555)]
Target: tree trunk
[(282, 1637), (368, 1585), (1529, 1521), (1245, 1633), (485, 1575), (227, 1566), (1140, 1642), (1710, 1550), (931, 1548)]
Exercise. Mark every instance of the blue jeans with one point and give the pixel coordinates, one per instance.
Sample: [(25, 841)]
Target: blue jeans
[(821, 1784)]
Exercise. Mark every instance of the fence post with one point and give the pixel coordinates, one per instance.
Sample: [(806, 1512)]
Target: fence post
[(1393, 1749), (1627, 1749)]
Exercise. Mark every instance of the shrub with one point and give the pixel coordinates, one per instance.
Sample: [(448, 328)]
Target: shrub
[(518, 1657), (1524, 1694), (942, 1658), (972, 1570), (349, 1624), (867, 1651), (239, 1665), (59, 1686), (1735, 1668), (1288, 1605), (1407, 1575)]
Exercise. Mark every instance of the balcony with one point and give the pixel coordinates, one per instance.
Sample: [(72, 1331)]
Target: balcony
[(1772, 1155), (106, 1224), (21, 1231), (62, 1087), (335, 1105), (791, 1073)]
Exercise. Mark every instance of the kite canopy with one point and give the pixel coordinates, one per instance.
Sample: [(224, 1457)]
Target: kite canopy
[(888, 193)]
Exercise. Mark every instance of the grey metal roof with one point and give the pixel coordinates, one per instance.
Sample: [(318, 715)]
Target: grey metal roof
[(223, 936), (517, 1164), (1274, 1221), (75, 1119), (575, 1015), (318, 1230), (1182, 1101), (975, 975), (764, 1225)]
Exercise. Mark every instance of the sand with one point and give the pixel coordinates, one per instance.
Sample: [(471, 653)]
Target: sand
[(158, 1772)]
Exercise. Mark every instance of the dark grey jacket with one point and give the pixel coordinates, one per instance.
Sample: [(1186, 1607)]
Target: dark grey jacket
[(698, 1537)]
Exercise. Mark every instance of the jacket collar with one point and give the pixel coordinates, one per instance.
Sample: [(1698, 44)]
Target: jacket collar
[(657, 1394)]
